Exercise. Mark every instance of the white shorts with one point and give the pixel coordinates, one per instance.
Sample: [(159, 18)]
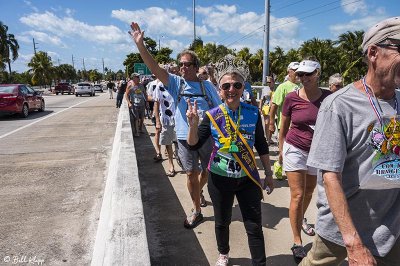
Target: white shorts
[(295, 159)]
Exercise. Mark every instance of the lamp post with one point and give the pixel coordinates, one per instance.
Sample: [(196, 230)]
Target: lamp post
[(194, 21)]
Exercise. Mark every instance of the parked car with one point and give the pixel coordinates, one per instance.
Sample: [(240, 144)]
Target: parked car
[(63, 87), (84, 88), (98, 87), (21, 99)]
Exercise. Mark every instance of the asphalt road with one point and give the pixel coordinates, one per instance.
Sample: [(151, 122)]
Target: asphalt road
[(52, 170)]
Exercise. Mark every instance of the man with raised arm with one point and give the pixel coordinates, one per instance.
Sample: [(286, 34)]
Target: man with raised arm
[(181, 88)]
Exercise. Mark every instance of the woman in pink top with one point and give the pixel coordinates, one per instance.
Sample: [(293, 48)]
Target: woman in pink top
[(299, 115)]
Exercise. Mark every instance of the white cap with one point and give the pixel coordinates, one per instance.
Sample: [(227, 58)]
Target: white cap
[(293, 65), (308, 66)]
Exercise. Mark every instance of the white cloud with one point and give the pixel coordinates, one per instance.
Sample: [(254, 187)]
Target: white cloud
[(41, 37), (354, 7), (29, 3), (156, 20), (69, 27), (69, 12), (356, 24)]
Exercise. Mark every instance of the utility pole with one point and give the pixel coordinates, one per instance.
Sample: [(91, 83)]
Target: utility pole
[(266, 44), (83, 61), (58, 60), (34, 45), (102, 59), (73, 65), (194, 21)]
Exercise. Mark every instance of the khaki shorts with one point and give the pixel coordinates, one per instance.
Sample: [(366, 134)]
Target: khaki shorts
[(324, 252)]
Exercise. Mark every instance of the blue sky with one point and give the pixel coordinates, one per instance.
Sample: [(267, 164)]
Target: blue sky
[(97, 30)]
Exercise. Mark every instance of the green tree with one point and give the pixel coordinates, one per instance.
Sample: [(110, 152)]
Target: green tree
[(325, 53), (151, 45), (23, 78), (256, 65), (278, 63), (351, 56), (8, 47), (130, 61), (65, 72), (196, 43), (164, 55), (95, 75), (42, 68)]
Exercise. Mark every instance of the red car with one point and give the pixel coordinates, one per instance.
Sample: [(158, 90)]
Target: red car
[(20, 98)]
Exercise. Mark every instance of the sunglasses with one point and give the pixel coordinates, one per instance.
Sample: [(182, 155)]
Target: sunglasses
[(237, 85), (186, 64), (302, 74), (384, 45)]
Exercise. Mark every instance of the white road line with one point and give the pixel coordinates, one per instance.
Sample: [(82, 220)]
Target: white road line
[(37, 121)]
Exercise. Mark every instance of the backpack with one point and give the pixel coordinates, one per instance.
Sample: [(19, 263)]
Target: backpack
[(203, 95)]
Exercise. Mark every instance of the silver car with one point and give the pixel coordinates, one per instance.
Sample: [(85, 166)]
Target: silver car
[(98, 87), (84, 88)]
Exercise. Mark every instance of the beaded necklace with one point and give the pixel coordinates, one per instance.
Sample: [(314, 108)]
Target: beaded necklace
[(232, 134)]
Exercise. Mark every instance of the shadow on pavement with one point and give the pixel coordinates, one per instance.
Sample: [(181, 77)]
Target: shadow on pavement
[(169, 242)]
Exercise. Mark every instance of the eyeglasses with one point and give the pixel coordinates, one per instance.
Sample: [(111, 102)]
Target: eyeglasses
[(237, 85), (186, 64), (389, 45), (302, 74), (337, 85)]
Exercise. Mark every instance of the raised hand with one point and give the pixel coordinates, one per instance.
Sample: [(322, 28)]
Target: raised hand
[(136, 34), (191, 113)]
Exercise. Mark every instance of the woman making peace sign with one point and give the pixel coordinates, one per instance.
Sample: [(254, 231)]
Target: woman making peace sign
[(235, 127)]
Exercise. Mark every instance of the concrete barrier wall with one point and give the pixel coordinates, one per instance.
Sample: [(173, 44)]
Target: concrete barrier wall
[(121, 235)]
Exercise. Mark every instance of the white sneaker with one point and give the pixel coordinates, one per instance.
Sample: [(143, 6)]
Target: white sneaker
[(222, 260)]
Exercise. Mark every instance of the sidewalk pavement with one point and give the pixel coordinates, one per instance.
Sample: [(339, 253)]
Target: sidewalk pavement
[(137, 188)]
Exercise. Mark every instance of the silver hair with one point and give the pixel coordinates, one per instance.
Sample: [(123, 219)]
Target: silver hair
[(335, 79)]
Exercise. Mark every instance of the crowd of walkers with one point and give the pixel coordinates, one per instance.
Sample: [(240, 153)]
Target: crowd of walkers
[(344, 140)]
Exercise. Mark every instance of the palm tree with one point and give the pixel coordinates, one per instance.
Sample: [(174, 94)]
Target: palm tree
[(349, 45), (8, 47), (42, 68), (326, 54)]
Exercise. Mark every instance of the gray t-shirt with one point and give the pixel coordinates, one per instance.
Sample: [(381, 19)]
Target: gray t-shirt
[(344, 142)]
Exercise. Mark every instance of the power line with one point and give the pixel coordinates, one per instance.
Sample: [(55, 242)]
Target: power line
[(291, 4), (286, 23)]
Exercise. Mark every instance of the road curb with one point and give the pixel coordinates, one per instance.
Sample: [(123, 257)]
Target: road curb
[(121, 234)]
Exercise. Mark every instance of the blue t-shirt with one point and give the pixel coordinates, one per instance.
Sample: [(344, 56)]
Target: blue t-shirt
[(190, 88)]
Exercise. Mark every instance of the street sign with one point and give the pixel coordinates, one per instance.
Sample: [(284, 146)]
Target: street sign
[(141, 68)]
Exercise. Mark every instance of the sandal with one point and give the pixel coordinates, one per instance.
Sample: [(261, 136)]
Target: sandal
[(298, 252), (158, 157), (171, 173), (193, 220), (203, 202), (307, 228)]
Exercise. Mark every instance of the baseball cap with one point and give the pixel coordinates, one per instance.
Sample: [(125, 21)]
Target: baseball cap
[(308, 66), (386, 29), (293, 65), (135, 75)]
